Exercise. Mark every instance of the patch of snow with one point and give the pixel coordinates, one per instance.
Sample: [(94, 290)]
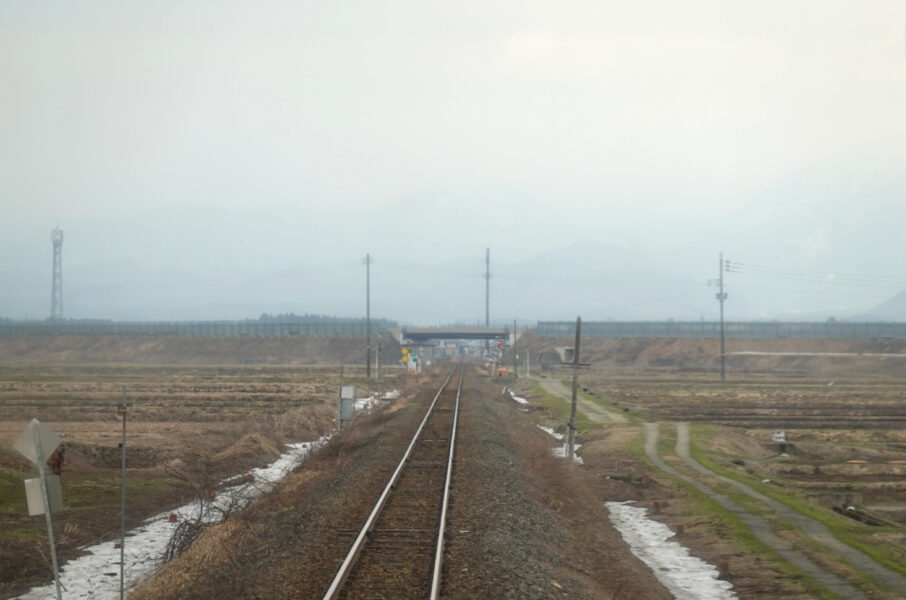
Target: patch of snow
[(95, 575), (686, 577), (515, 398), (550, 431), (368, 404), (561, 451)]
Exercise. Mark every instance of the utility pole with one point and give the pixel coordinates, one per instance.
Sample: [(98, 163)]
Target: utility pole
[(368, 315), (56, 295), (121, 409), (515, 355), (571, 447), (53, 547), (487, 296), (721, 296), (380, 382), (340, 402)]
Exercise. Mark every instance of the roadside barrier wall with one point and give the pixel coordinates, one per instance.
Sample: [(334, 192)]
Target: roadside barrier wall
[(191, 328), (732, 330)]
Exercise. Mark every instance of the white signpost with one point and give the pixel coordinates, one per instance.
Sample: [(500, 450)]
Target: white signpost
[(347, 402), (35, 443), (34, 495)]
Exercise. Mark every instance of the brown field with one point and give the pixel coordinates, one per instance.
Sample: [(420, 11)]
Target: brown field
[(188, 428), (199, 412), (843, 418)]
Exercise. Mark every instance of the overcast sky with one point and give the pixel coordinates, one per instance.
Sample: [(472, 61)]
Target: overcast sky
[(237, 139)]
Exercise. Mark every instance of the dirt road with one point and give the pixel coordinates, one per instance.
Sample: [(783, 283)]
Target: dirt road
[(815, 530), (759, 527), (593, 411)]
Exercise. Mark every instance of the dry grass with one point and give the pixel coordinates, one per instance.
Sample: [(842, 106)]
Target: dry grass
[(212, 552)]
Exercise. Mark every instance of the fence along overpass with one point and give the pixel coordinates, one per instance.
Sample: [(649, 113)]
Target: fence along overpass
[(750, 330), (424, 334)]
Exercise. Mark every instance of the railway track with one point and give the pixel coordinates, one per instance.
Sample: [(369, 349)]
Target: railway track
[(398, 552)]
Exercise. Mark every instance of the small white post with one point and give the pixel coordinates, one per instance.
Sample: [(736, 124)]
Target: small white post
[(53, 548)]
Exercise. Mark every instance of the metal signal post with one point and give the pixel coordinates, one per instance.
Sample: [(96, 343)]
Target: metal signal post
[(368, 262), (56, 296), (121, 410), (721, 296)]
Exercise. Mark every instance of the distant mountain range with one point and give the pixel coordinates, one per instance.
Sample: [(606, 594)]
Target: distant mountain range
[(792, 241), (891, 310), (594, 280)]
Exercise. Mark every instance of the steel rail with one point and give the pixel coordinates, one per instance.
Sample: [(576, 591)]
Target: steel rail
[(336, 585), (442, 527)]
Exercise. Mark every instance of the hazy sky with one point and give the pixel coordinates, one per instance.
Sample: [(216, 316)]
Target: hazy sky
[(241, 139)]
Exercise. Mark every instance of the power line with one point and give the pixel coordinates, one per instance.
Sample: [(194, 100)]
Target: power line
[(813, 276)]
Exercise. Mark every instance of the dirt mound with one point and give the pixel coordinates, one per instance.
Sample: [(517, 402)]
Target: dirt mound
[(739, 444), (602, 442), (251, 445), (80, 456)]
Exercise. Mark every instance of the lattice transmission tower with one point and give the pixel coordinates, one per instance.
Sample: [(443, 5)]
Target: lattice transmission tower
[(56, 296)]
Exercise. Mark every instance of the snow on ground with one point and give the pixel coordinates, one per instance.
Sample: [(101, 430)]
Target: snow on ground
[(562, 450), (369, 403), (96, 575), (686, 577), (515, 398), (551, 432)]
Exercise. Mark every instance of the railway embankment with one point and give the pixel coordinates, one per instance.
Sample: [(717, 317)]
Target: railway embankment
[(523, 524)]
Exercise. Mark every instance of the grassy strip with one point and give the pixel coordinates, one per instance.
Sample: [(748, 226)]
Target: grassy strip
[(734, 529), (846, 530), (729, 525), (560, 407), (84, 497), (632, 420)]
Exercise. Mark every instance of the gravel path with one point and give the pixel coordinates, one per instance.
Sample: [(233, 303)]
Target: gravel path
[(524, 524), (815, 529), (593, 411), (758, 525)]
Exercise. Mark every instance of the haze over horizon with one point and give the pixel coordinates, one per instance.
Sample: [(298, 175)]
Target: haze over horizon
[(223, 160)]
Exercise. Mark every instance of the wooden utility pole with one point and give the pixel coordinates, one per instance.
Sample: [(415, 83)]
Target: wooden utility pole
[(487, 296), (340, 402), (377, 366), (515, 354), (368, 315), (571, 447)]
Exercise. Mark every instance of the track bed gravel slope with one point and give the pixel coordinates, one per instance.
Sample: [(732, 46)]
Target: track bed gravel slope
[(523, 524)]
